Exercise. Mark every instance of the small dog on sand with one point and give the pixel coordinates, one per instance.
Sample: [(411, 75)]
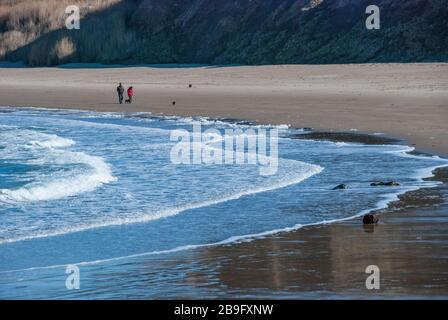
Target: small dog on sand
[(127, 101)]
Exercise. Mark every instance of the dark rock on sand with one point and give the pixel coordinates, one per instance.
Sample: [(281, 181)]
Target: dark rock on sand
[(346, 137), (237, 121), (385, 184), (340, 187), (370, 219)]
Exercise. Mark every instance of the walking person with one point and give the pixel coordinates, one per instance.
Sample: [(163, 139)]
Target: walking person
[(130, 94), (120, 91)]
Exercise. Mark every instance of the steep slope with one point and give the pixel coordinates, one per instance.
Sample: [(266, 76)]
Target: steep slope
[(249, 32), (24, 21), (292, 31)]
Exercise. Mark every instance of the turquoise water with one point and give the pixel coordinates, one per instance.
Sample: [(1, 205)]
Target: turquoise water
[(99, 190)]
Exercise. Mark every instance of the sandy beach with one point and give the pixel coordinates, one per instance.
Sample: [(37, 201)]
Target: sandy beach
[(403, 101), (407, 101)]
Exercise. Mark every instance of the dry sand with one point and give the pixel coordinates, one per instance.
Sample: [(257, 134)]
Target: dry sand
[(408, 101)]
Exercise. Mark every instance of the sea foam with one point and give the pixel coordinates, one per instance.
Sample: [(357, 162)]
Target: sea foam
[(50, 149), (302, 171)]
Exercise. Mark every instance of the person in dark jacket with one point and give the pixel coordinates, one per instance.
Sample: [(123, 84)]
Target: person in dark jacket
[(120, 91), (130, 95)]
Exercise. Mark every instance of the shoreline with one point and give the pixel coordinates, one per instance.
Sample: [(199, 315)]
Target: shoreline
[(326, 260), (315, 134), (407, 101), (309, 133), (331, 136), (439, 173), (408, 244), (329, 261)]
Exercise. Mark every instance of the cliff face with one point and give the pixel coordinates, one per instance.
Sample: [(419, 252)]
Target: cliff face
[(23, 22), (252, 32)]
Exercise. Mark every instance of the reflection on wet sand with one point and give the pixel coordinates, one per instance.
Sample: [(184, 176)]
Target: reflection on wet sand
[(410, 246)]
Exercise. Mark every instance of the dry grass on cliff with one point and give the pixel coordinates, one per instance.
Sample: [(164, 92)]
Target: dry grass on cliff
[(23, 21)]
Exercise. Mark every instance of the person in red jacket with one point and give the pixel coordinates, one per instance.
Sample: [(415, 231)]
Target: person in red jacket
[(130, 94)]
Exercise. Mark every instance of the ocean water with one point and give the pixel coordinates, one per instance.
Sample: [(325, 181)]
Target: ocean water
[(98, 190)]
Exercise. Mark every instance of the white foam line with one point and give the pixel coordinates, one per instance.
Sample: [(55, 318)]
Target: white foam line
[(231, 240), (53, 142), (179, 119), (36, 194), (65, 187), (94, 124), (424, 173), (61, 187), (211, 121), (313, 169), (103, 125), (382, 204)]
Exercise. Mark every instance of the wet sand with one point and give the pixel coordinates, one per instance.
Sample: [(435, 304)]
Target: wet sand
[(409, 245), (349, 137)]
